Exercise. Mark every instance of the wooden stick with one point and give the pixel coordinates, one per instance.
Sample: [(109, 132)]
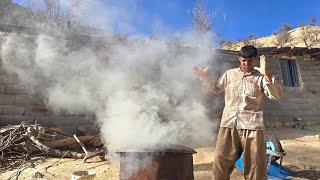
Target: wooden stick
[(88, 155), (40, 145), (81, 144), (101, 153)]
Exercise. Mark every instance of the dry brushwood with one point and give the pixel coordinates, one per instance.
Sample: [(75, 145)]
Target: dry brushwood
[(13, 146), (18, 143)]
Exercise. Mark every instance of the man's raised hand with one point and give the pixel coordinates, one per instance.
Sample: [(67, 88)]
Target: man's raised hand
[(201, 72), (263, 68)]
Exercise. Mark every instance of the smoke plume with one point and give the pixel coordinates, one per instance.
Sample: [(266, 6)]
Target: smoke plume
[(141, 89)]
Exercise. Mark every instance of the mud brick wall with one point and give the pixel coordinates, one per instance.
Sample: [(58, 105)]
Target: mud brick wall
[(17, 105)]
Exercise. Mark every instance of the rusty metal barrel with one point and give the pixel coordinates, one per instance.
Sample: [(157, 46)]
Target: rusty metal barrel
[(173, 162)]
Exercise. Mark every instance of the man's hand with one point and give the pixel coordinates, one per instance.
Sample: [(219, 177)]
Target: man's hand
[(201, 72), (263, 68)]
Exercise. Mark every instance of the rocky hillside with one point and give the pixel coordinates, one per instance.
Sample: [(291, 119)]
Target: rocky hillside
[(46, 15), (303, 36), (10, 12)]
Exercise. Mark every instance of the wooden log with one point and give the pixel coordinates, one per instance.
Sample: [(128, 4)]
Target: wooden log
[(84, 130), (67, 141), (96, 142), (55, 152)]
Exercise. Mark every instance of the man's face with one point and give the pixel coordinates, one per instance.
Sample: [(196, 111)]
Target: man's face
[(247, 65)]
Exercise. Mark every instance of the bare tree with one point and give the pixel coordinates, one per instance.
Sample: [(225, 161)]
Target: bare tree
[(48, 14), (54, 13), (309, 34), (10, 13), (251, 36), (202, 22), (225, 42), (4, 5), (316, 33), (251, 39), (283, 35), (313, 21), (305, 35), (244, 41)]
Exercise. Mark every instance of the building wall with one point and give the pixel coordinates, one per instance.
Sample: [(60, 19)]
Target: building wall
[(296, 102), (17, 105)]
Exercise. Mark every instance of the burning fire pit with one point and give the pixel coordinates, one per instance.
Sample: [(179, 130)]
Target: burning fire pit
[(172, 162)]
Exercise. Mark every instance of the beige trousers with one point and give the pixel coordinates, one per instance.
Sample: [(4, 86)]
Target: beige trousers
[(231, 142)]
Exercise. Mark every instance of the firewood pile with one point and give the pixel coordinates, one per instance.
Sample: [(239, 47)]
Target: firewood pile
[(20, 143)]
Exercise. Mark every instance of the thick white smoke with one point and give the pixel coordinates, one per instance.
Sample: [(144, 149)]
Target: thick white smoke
[(141, 90)]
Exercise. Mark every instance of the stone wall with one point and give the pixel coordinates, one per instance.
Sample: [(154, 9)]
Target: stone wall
[(296, 102), (17, 105)]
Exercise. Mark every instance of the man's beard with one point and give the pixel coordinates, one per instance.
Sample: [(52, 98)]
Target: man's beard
[(247, 68)]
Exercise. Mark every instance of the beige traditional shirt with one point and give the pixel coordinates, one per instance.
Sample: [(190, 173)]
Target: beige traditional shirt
[(243, 97)]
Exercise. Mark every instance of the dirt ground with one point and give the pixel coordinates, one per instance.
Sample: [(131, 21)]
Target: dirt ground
[(302, 159)]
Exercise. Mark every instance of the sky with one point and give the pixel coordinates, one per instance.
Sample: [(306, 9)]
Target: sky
[(234, 20)]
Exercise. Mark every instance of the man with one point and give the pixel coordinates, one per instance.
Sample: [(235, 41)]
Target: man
[(242, 127)]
